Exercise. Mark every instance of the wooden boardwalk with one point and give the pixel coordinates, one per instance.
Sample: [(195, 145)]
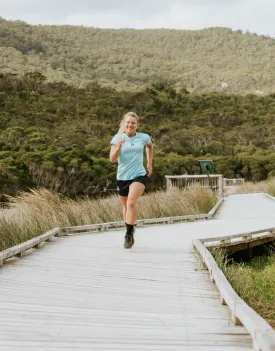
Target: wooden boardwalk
[(85, 292)]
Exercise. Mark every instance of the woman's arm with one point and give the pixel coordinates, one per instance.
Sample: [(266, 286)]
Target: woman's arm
[(149, 155), (115, 150)]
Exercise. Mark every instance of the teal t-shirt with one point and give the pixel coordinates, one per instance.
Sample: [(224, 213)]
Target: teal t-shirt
[(130, 160)]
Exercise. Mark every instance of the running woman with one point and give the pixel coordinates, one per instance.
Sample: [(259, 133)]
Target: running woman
[(127, 147)]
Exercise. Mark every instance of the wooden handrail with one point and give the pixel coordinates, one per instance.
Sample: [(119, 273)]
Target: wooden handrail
[(19, 250), (262, 333), (140, 222), (211, 181), (192, 176), (262, 232)]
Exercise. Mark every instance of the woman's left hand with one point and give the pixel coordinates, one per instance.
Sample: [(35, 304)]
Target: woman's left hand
[(150, 170)]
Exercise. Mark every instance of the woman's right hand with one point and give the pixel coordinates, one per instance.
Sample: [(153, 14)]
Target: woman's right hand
[(115, 150), (119, 144)]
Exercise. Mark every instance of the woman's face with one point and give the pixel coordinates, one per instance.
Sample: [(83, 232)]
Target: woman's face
[(130, 125)]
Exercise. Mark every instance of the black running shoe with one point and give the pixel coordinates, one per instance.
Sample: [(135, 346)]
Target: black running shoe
[(129, 241), (129, 237)]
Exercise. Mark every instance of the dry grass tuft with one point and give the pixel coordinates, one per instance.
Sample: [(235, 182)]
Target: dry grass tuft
[(176, 203), (267, 186)]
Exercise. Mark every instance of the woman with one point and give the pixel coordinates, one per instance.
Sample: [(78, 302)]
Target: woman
[(127, 147)]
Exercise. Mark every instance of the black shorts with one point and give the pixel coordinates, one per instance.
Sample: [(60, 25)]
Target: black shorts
[(123, 185)]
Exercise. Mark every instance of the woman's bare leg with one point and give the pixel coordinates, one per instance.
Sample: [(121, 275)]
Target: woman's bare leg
[(135, 191), (123, 200)]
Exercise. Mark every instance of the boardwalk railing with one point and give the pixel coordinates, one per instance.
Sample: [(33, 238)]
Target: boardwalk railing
[(213, 181), (262, 333), (233, 182), (19, 250), (249, 237)]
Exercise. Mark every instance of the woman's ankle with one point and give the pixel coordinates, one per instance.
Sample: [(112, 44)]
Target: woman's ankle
[(130, 228)]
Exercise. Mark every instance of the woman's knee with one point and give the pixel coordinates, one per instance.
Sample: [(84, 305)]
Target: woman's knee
[(131, 204)]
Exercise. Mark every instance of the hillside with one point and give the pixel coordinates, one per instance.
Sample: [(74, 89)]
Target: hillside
[(58, 136), (129, 59)]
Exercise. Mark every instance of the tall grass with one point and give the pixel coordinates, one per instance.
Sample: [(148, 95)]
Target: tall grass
[(267, 186), (254, 282), (35, 212)]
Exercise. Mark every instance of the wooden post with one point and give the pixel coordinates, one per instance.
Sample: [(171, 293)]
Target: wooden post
[(220, 187), (167, 184)]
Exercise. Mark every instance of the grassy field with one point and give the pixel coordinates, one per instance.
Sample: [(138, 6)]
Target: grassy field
[(254, 282), (35, 212)]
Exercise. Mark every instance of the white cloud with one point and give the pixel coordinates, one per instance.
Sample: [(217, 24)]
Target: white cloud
[(252, 15)]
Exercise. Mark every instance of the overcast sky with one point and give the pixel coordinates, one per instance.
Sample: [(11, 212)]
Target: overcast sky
[(256, 16)]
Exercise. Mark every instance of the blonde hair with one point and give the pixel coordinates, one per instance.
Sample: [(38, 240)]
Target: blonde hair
[(128, 114)]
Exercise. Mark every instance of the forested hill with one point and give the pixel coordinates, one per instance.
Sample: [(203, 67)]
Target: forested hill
[(129, 59), (58, 136)]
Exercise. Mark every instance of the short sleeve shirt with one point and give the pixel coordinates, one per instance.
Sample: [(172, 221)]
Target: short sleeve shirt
[(130, 160)]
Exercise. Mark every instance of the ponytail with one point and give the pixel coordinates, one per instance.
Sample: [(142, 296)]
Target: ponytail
[(121, 127)]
